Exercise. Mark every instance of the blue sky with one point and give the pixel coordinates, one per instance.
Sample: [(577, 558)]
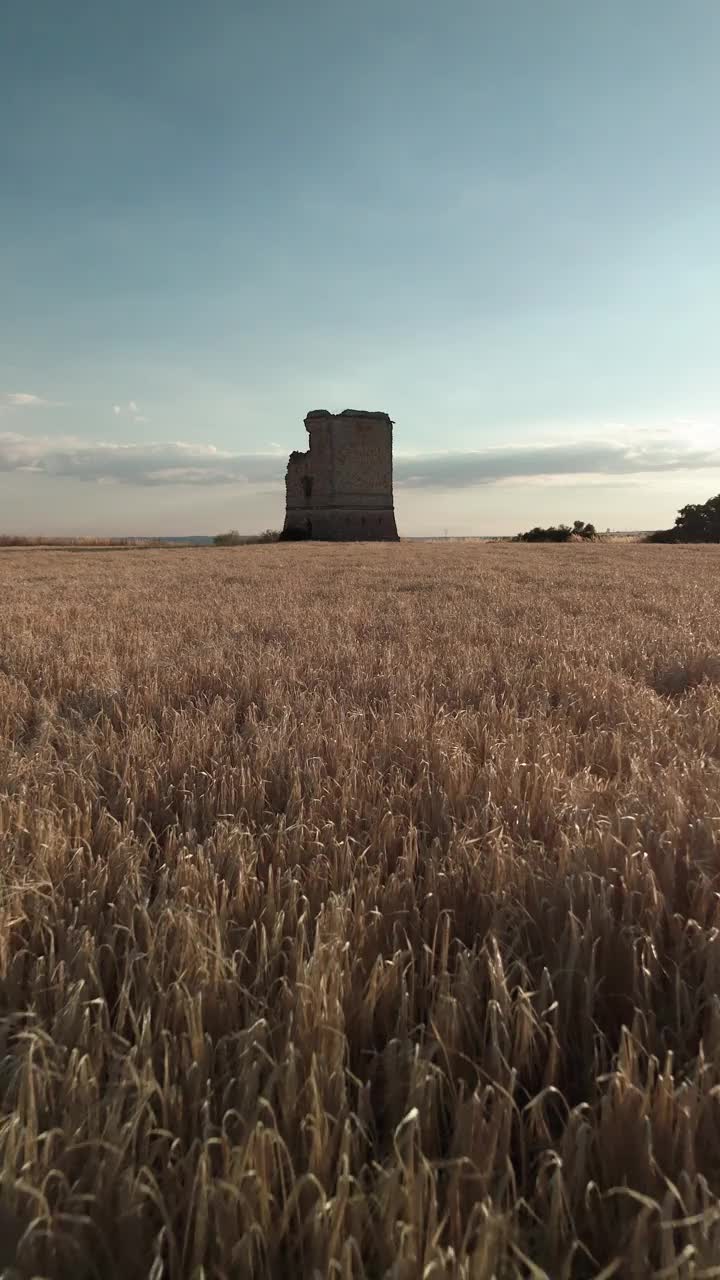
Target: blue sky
[(497, 222)]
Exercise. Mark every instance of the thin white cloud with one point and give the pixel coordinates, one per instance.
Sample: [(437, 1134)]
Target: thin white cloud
[(182, 463), (117, 410), (23, 400), (174, 462), (641, 453)]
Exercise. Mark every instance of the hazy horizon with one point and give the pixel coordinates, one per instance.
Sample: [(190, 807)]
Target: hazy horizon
[(496, 223)]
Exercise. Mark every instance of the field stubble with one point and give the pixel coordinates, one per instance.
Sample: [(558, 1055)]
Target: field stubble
[(359, 912)]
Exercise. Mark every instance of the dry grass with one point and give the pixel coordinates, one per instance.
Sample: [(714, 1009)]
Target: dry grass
[(359, 912), (20, 540), (82, 543)]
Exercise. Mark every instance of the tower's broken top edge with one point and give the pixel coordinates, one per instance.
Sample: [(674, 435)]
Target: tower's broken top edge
[(347, 413)]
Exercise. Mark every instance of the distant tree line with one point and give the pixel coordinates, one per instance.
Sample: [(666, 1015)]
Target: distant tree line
[(696, 522)]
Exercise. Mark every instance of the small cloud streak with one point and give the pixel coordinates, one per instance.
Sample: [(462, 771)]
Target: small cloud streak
[(181, 463), (23, 400)]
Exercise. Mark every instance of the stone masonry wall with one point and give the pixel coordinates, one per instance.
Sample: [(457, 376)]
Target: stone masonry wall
[(341, 488), (363, 459)]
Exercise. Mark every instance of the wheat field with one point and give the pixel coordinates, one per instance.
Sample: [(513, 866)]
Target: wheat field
[(359, 912)]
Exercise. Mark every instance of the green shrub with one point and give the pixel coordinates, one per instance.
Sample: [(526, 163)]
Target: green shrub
[(559, 533), (235, 539), (696, 522)]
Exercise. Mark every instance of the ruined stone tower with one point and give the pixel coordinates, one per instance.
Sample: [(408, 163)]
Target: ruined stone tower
[(341, 489)]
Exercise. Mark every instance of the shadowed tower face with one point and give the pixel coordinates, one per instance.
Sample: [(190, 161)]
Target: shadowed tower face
[(340, 490)]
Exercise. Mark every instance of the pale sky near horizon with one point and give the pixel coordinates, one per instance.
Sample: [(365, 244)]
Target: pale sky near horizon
[(498, 222)]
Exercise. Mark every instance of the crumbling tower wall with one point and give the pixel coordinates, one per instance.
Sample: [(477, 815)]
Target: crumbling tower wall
[(341, 488)]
